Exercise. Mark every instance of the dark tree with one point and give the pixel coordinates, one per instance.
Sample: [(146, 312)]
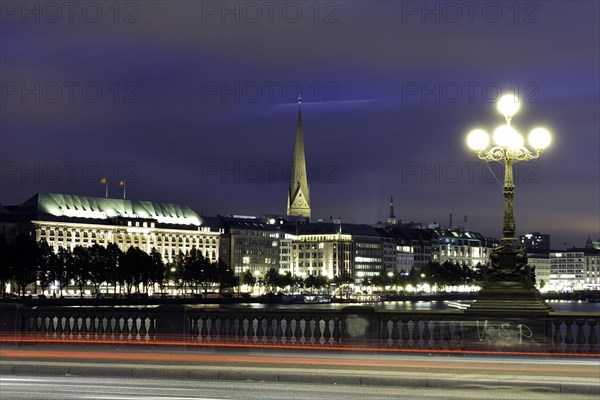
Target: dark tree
[(130, 266), (381, 280), (315, 281), (47, 262), (272, 278), (174, 271), (23, 262), (286, 280), (198, 270), (246, 278), (79, 267), (113, 255), (156, 269), (5, 267), (60, 269), (226, 278), (100, 270)]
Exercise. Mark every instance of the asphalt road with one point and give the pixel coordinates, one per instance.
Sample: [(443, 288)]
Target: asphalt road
[(66, 387), (43, 371)]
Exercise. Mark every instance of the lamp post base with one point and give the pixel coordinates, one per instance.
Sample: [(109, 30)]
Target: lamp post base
[(507, 317), (509, 313), (510, 298)]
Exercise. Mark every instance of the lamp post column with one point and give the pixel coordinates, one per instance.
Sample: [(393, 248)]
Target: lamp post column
[(509, 216)]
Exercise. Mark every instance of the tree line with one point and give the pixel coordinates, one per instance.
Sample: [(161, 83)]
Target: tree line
[(26, 262)]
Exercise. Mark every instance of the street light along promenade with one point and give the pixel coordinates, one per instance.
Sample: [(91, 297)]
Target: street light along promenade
[(508, 281)]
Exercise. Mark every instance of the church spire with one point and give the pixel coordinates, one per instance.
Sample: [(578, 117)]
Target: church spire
[(392, 218), (298, 193)]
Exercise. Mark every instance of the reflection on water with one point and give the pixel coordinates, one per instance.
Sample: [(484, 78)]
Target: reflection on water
[(557, 305)]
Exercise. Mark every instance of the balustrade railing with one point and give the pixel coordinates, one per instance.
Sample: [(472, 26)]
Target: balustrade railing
[(574, 333), (367, 327), (267, 327), (89, 324), (422, 330)]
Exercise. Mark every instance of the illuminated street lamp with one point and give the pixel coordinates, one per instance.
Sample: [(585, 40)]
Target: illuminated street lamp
[(509, 147), (509, 273)]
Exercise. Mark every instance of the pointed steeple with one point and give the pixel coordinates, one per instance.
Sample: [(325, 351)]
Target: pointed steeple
[(298, 193), (392, 218)]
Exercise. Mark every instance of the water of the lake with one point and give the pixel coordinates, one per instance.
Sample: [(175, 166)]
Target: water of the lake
[(557, 305)]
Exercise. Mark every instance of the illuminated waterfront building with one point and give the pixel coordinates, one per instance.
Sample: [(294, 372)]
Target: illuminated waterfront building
[(567, 270), (335, 249), (461, 247), (67, 221), (249, 243)]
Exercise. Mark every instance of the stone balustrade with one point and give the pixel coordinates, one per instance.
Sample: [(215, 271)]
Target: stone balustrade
[(358, 327)]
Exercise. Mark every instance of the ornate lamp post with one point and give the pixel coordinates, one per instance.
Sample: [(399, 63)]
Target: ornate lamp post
[(508, 280)]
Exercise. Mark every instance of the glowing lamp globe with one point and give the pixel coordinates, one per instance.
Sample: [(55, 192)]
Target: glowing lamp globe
[(478, 139), (516, 140), (540, 138), (508, 105), (504, 136)]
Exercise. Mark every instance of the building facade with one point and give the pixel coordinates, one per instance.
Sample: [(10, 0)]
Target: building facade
[(250, 244), (535, 241), (461, 247), (67, 221), (560, 271)]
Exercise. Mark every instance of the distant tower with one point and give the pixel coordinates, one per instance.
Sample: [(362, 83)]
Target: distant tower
[(298, 194), (392, 218)]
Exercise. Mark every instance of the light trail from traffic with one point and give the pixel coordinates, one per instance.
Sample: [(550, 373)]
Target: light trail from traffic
[(177, 341)]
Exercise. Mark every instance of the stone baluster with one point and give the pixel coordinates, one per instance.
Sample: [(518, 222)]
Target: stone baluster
[(250, 331), (298, 338), (152, 328), (337, 335), (395, 332), (144, 329), (404, 343), (446, 337), (288, 330), (385, 332), (569, 335), (580, 339), (592, 338), (240, 329), (327, 331), (557, 337), (195, 331), (317, 332), (278, 330), (212, 333), (426, 334), (435, 328)]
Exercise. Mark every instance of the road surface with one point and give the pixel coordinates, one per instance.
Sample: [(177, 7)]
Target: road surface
[(78, 371), (53, 388)]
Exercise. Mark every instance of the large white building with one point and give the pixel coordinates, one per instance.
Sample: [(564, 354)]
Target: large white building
[(68, 221), (566, 270), (461, 247)]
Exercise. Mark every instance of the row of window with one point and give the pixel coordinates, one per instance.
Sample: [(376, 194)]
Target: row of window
[(103, 234)]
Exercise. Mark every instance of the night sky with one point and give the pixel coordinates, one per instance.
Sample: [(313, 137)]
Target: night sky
[(195, 103)]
